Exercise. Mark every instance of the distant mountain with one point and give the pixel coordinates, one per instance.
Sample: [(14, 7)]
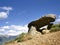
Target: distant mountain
[(5, 38)]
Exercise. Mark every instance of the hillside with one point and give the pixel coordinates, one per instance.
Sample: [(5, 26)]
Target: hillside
[(51, 37), (39, 39)]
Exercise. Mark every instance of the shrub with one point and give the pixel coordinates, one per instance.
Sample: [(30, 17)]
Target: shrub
[(55, 29), (56, 25)]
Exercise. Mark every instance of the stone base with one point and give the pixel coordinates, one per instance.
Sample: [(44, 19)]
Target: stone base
[(33, 31)]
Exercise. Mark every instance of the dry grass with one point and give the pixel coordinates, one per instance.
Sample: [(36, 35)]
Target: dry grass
[(38, 39)]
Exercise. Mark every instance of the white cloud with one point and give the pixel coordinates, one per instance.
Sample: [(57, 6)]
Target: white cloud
[(6, 8), (19, 27), (6, 27), (13, 30), (1, 30), (57, 20), (3, 14), (12, 34)]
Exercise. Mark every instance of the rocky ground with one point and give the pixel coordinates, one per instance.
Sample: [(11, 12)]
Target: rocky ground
[(39, 39)]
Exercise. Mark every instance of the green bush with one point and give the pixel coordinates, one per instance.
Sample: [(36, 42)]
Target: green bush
[(55, 27)]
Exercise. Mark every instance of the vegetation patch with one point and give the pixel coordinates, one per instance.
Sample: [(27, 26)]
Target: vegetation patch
[(55, 27), (23, 37)]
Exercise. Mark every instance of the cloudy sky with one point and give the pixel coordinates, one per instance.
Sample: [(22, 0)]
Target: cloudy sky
[(16, 14)]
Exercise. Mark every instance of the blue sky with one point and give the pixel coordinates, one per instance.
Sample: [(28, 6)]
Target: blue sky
[(18, 13)]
